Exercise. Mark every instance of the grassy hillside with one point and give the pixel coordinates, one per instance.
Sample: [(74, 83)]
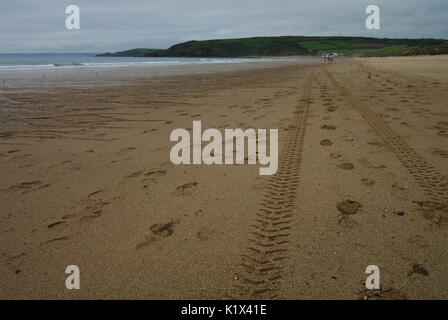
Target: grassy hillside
[(403, 50), (293, 45)]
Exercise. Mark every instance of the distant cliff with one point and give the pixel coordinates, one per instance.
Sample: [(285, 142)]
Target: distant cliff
[(290, 46), (139, 52)]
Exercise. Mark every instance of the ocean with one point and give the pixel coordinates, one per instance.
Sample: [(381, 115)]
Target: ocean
[(86, 70), (46, 61)]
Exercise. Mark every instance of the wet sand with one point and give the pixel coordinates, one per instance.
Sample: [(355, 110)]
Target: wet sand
[(87, 181)]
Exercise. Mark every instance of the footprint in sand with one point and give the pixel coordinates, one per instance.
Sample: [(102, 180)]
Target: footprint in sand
[(442, 133), (146, 131), (95, 210), (375, 143), (185, 189), (155, 173), (368, 182), (441, 153), (54, 240), (84, 214), (335, 155), (25, 186), (133, 175), (348, 206), (151, 176), (163, 229), (326, 142), (418, 269), (54, 224), (158, 231), (346, 166), (94, 193), (399, 191), (436, 213)]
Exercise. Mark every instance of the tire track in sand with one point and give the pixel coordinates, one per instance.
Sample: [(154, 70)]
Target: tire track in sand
[(434, 184), (261, 267)]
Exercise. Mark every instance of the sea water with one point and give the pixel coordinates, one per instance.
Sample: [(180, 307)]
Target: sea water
[(87, 70), (46, 61)]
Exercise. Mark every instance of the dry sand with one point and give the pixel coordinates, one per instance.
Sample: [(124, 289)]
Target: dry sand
[(87, 180)]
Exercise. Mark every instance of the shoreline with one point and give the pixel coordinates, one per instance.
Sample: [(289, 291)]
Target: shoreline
[(122, 74)]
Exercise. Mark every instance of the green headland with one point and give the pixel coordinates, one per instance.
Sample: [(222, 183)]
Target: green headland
[(292, 46)]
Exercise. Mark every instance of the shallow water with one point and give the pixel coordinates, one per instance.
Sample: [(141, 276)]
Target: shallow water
[(27, 62), (121, 71)]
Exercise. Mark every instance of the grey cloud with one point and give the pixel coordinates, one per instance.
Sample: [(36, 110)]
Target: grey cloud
[(110, 25)]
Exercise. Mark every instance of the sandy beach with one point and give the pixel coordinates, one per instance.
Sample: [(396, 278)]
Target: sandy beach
[(87, 180)]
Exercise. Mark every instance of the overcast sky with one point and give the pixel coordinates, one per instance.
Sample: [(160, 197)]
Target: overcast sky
[(111, 25)]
